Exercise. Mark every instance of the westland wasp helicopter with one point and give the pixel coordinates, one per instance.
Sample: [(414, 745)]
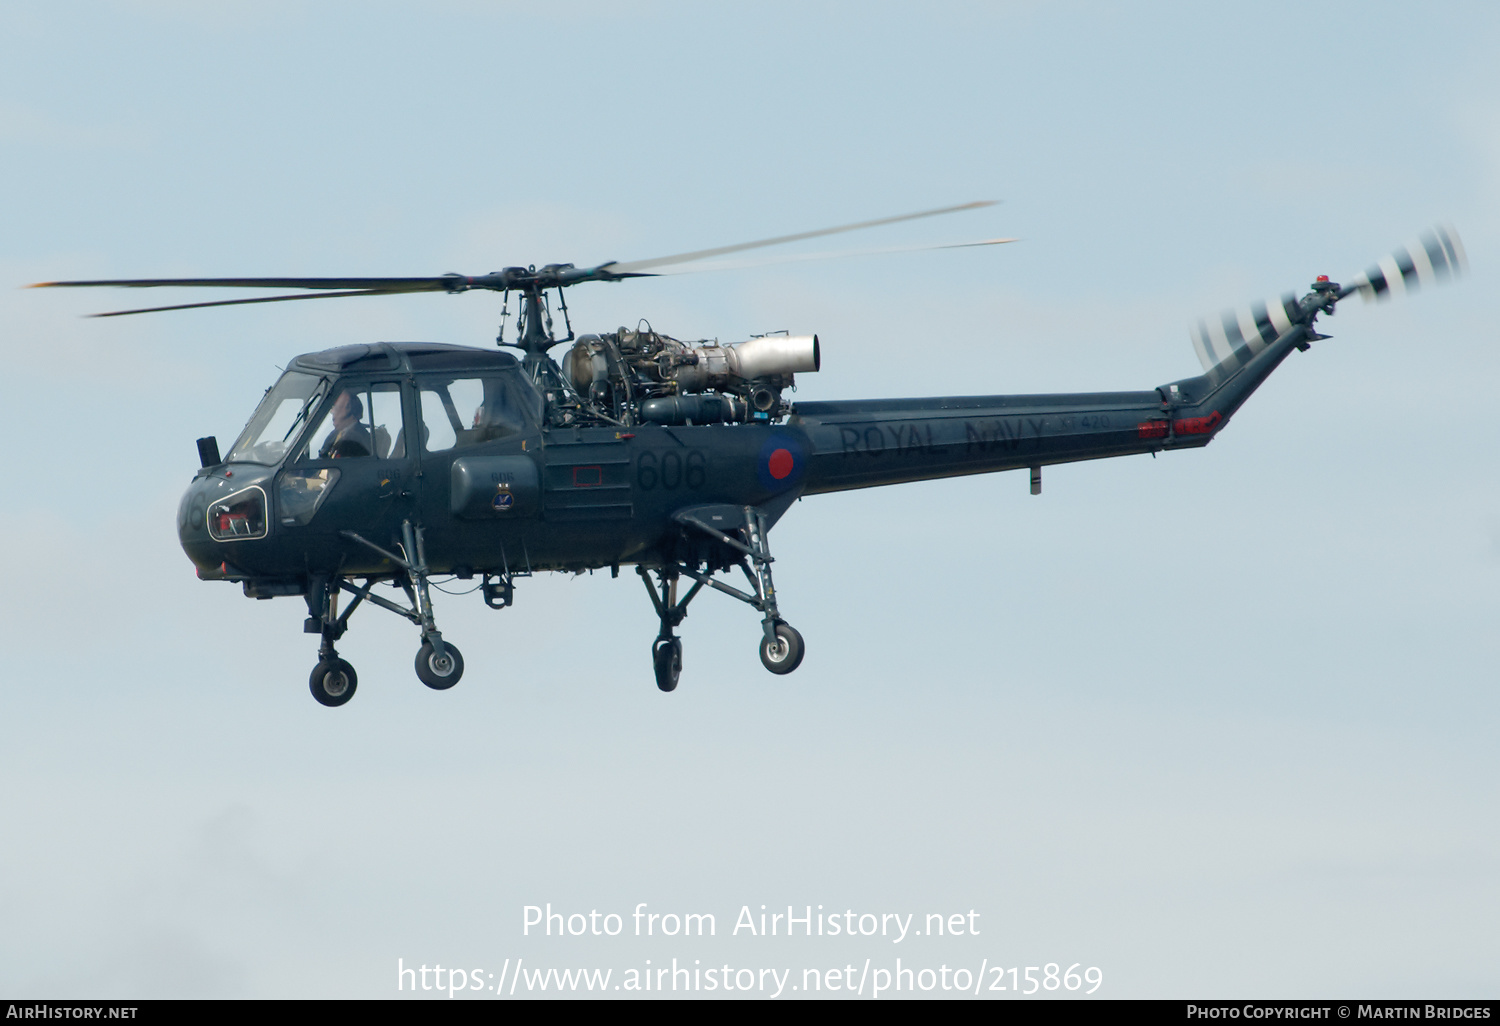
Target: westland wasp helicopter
[(389, 463)]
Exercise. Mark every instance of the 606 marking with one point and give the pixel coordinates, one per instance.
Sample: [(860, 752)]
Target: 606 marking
[(671, 470)]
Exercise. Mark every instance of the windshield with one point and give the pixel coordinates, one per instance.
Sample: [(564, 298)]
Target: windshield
[(279, 418)]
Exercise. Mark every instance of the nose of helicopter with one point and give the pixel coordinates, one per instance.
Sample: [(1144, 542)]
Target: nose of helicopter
[(221, 509), (192, 526)]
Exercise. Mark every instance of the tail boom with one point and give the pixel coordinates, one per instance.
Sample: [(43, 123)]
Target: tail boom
[(861, 444)]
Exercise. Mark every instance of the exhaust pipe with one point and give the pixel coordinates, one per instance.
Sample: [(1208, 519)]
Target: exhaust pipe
[(765, 357)]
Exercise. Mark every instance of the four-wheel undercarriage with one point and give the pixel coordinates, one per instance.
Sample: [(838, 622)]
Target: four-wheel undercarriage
[(706, 549)]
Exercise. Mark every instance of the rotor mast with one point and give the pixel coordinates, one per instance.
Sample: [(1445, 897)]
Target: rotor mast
[(534, 325)]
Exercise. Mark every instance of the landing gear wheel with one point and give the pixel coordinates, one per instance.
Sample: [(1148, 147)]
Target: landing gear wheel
[(439, 672), (666, 656), (333, 682), (784, 654)]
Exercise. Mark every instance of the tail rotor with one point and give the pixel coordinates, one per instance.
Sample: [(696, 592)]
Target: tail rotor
[(1435, 255), (1231, 339)]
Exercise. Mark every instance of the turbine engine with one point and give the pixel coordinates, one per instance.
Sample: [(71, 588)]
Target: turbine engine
[(634, 376)]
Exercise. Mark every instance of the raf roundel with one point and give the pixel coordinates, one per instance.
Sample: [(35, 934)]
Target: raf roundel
[(782, 462)]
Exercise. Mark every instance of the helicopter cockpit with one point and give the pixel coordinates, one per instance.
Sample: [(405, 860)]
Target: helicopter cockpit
[(378, 413), (456, 409), (279, 419)]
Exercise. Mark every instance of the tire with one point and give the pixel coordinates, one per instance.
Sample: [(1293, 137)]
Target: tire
[(666, 659), (785, 654), (333, 682), (439, 674)]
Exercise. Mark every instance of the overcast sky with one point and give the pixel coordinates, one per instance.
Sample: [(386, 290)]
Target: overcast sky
[(1219, 724)]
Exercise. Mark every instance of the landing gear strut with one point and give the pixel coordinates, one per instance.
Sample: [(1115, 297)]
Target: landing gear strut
[(666, 650), (333, 680), (781, 646), (439, 664)]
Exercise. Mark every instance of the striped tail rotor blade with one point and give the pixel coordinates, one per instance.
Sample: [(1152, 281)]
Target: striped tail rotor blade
[(1233, 337), (1434, 256)]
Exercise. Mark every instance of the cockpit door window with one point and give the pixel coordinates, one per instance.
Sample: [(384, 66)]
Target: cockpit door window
[(363, 421), (460, 412)]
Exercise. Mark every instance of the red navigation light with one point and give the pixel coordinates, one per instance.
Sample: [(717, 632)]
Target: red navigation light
[(1198, 425), (1322, 277)]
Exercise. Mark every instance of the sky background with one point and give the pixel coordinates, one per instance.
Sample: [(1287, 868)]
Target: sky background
[(1220, 723)]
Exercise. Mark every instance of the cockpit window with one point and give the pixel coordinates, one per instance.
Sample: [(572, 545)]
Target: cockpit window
[(459, 412), (279, 418), (363, 420)]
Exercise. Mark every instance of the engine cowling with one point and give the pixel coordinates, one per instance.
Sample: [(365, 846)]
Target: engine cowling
[(770, 356)]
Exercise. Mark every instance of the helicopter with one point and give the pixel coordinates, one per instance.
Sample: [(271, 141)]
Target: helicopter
[(390, 463)]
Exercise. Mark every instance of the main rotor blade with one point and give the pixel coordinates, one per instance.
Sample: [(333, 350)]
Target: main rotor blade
[(734, 265), (259, 299), (381, 284), (703, 254)]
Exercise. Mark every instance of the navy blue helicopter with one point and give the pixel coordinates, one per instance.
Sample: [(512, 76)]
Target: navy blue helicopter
[(390, 463)]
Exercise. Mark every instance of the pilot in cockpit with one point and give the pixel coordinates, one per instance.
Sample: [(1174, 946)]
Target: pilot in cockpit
[(349, 437), (493, 418)]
